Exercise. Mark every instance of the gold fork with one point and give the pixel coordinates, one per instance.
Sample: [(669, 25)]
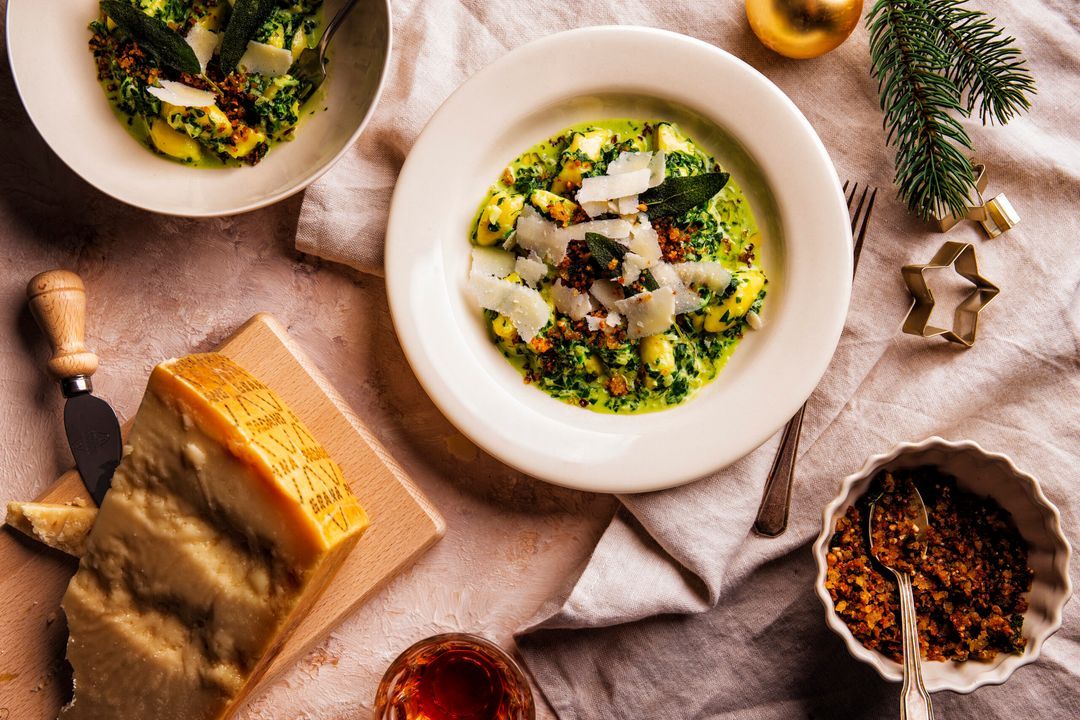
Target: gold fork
[(772, 516)]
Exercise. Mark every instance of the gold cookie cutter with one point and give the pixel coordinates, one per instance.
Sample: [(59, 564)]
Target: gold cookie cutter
[(995, 215), (961, 257)]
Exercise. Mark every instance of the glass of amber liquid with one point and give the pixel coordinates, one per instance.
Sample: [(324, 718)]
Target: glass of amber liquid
[(455, 676)]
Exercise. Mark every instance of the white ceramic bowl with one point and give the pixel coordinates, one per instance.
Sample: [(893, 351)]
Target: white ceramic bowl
[(56, 78), (983, 473), (752, 129)]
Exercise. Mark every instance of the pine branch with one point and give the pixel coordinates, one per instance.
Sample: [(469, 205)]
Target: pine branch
[(933, 173), (984, 64)]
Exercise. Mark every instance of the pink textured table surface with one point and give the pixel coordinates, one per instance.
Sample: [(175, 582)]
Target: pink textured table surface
[(160, 287)]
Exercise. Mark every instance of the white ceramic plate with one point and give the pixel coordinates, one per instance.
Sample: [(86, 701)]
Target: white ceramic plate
[(1038, 521), (56, 78), (752, 129)]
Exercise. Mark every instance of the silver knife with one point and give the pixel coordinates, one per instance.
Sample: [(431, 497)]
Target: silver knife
[(58, 302)]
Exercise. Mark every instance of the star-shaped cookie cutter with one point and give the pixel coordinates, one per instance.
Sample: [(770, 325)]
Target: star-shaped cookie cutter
[(995, 215), (961, 257)]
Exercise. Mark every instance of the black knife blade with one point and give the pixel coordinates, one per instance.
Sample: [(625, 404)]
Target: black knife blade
[(93, 435)]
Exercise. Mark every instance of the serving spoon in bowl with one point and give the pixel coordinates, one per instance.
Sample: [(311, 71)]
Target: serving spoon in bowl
[(887, 551)]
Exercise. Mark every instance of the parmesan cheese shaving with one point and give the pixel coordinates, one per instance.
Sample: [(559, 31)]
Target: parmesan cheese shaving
[(657, 169), (628, 162), (526, 308), (648, 313), (606, 324), (266, 60), (633, 264), (570, 301), (595, 208), (607, 292), (656, 163), (531, 269), (628, 205), (686, 299), (492, 262), (181, 95), (204, 42), (645, 242), (535, 233), (706, 273), (614, 229), (611, 187)]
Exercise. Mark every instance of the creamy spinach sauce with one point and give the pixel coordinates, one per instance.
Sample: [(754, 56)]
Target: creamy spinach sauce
[(587, 362)]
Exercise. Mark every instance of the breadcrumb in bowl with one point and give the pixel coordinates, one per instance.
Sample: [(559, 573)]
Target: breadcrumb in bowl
[(983, 474)]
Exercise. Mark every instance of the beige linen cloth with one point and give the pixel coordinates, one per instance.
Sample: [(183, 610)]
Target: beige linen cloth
[(681, 612)]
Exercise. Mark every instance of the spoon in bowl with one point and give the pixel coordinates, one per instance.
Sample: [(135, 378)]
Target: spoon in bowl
[(890, 539)]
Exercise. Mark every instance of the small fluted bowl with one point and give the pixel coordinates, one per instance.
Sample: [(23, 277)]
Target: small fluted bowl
[(988, 474)]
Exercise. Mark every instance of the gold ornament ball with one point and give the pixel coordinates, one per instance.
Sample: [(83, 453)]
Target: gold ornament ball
[(803, 29)]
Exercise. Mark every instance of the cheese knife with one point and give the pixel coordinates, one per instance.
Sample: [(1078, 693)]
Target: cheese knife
[(58, 303)]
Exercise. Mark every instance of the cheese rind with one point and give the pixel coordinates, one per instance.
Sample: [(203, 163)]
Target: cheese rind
[(223, 524)]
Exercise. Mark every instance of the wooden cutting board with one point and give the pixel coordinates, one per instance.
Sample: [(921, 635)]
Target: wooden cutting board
[(35, 680)]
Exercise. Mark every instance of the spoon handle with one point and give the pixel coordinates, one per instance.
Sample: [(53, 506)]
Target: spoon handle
[(914, 699), (335, 23)]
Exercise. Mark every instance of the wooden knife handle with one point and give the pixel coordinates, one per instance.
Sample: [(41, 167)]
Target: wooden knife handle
[(58, 302)]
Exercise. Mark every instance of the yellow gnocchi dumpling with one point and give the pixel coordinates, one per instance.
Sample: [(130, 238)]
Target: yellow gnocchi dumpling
[(593, 365), (243, 141), (582, 151), (503, 328), (194, 121), (277, 37), (658, 354), (172, 142), (749, 284), (299, 43), (498, 217), (670, 139), (556, 207)]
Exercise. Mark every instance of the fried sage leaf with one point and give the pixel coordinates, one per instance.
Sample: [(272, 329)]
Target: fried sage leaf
[(154, 36), (676, 195), (648, 281), (607, 253), (247, 16)]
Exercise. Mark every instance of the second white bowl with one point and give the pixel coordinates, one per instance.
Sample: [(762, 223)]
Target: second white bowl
[(57, 80)]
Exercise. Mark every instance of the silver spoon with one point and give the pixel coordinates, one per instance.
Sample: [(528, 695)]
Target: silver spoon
[(310, 67), (914, 699)]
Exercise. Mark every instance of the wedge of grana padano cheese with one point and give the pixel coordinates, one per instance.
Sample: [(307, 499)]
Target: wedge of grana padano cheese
[(225, 521)]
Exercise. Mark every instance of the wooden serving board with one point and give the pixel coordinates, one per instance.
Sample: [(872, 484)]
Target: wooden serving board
[(35, 680)]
